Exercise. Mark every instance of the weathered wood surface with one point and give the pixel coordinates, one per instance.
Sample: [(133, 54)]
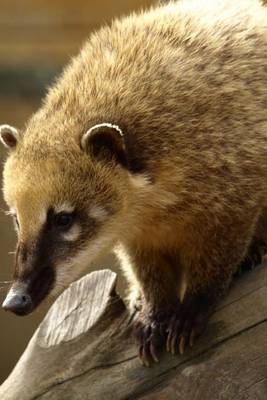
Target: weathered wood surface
[(84, 350)]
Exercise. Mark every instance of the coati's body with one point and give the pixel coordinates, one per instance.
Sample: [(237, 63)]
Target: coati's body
[(185, 196)]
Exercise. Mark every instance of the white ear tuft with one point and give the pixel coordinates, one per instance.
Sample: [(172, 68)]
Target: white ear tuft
[(105, 142), (90, 132), (9, 136)]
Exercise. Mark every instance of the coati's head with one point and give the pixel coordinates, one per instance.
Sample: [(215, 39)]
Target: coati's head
[(68, 199)]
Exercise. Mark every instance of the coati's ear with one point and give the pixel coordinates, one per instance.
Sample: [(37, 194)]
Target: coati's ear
[(9, 136), (105, 142)]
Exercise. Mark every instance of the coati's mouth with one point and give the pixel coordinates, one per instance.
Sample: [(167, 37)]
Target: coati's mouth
[(25, 295)]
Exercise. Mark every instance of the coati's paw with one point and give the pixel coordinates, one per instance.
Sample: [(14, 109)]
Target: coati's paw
[(177, 329), (186, 325), (150, 333)]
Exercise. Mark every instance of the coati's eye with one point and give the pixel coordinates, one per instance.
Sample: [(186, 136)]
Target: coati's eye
[(63, 220)]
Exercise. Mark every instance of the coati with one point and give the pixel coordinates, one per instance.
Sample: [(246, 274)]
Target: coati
[(153, 142)]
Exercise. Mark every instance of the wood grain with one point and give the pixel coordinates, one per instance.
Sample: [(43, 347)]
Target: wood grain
[(84, 350)]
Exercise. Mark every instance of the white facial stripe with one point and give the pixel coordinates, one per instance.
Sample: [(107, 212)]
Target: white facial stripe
[(69, 271), (98, 213), (73, 233), (95, 249), (65, 207)]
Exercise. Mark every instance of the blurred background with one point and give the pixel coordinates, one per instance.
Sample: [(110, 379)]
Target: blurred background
[(37, 38)]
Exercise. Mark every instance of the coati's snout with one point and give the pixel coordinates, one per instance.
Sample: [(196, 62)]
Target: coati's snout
[(18, 300), (51, 258), (34, 278)]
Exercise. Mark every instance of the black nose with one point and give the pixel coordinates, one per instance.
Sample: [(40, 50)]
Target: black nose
[(20, 304)]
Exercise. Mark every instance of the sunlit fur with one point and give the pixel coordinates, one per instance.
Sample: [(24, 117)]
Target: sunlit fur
[(186, 84)]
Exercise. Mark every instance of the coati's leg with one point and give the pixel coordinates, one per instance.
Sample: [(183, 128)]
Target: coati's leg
[(191, 316), (202, 268), (156, 287), (211, 262)]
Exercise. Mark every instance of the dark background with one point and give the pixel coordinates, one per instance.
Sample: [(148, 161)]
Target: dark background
[(37, 37)]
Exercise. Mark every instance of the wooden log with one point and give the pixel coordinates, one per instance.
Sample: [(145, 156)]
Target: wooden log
[(84, 350)]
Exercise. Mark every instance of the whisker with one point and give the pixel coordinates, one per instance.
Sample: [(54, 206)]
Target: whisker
[(11, 252), (5, 282)]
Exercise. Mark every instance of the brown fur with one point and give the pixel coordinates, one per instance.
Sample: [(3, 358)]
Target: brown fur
[(186, 83)]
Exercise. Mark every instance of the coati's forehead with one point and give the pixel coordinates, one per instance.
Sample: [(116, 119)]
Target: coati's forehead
[(32, 187), (28, 191)]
